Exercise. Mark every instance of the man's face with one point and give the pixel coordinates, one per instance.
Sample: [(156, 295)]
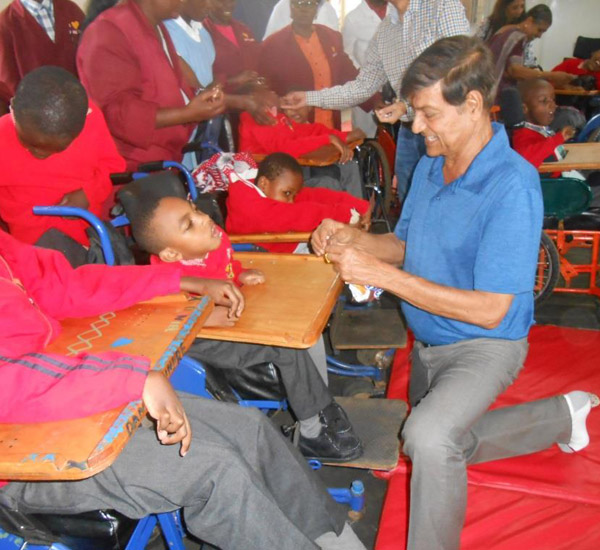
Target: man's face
[(304, 11), (539, 105), (446, 128), (283, 188), (40, 145), (191, 234)]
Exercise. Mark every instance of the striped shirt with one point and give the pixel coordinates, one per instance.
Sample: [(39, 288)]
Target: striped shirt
[(396, 44), (43, 13)]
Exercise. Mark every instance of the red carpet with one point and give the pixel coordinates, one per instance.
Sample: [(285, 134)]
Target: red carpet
[(549, 500)]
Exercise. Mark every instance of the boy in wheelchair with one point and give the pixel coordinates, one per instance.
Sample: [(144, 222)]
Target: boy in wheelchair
[(241, 485), (278, 201), (179, 235)]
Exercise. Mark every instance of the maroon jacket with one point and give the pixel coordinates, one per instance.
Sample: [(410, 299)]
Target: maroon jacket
[(231, 59), (282, 62), (126, 72), (24, 44)]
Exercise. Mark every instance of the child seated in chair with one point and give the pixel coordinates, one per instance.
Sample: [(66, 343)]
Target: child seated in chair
[(181, 236), (278, 202), (56, 150), (239, 483), (292, 133)]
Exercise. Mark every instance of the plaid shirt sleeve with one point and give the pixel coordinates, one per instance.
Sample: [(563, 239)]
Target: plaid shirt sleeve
[(452, 20), (369, 80)]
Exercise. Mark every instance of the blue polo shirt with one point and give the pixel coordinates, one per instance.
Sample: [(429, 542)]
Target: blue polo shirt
[(479, 232)]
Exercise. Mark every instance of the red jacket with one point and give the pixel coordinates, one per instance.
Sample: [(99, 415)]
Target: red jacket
[(230, 59), (249, 212), (125, 70), (572, 66), (282, 62), (24, 44), (535, 147), (286, 136), (27, 181), (37, 288), (217, 264)]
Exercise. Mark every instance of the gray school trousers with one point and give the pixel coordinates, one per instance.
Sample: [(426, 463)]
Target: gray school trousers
[(451, 390), (306, 392), (241, 485)]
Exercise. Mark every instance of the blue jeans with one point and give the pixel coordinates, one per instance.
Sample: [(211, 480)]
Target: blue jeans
[(409, 149)]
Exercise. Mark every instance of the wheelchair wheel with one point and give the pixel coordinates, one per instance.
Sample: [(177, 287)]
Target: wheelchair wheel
[(548, 270), (594, 136), (377, 178)]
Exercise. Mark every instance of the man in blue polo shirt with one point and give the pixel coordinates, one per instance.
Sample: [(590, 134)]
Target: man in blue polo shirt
[(468, 243)]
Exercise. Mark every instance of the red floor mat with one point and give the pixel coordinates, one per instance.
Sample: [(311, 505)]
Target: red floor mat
[(540, 486)]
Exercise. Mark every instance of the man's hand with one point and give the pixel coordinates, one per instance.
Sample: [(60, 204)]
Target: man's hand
[(260, 104), (322, 234), (568, 132), (172, 425), (207, 104), (346, 153), (245, 78), (391, 113), (223, 293), (352, 265), (252, 277), (293, 100), (219, 317), (75, 198)]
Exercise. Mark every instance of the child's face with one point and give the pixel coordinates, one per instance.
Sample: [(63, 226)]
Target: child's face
[(283, 188), (301, 115), (191, 234), (539, 105)]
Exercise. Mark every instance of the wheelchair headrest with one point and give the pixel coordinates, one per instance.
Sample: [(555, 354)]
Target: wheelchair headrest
[(511, 108)]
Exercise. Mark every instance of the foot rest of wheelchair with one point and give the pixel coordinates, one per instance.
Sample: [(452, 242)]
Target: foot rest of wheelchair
[(586, 221), (95, 530)]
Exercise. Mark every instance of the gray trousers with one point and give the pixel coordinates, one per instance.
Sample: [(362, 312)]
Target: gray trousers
[(241, 485), (451, 390), (306, 392)]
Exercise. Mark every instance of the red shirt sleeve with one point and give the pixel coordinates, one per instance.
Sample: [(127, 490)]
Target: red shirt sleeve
[(534, 147)]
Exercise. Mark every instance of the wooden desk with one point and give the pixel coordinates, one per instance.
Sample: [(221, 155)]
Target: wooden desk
[(580, 156), (588, 93), (161, 329), (292, 237), (323, 156), (291, 308)]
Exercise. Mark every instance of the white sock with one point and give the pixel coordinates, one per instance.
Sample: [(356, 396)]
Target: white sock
[(346, 541), (311, 427), (580, 404)]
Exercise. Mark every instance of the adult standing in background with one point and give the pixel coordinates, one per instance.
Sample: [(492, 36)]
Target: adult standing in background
[(34, 33), (410, 27), (505, 12), (281, 16)]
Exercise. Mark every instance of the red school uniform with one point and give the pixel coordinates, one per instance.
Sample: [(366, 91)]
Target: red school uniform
[(25, 45), (38, 287), (26, 181), (534, 144), (572, 65), (217, 264), (249, 211), (285, 136), (125, 70)]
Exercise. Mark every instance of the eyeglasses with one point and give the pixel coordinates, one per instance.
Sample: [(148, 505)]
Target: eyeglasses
[(305, 3)]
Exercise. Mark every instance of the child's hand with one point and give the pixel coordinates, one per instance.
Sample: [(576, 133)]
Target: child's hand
[(252, 277), (365, 219), (172, 425), (223, 293), (75, 198), (391, 113), (219, 317), (568, 132), (355, 135), (346, 153)]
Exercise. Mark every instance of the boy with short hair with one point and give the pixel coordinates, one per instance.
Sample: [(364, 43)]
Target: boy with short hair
[(178, 234), (56, 150), (240, 485), (277, 201)]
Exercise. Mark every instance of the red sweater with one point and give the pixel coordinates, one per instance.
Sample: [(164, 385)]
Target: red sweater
[(26, 181), (125, 70), (230, 59), (572, 66), (24, 44), (286, 136), (38, 287), (217, 264), (535, 147), (249, 212)]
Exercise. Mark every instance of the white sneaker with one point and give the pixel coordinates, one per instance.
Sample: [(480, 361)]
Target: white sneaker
[(580, 403)]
